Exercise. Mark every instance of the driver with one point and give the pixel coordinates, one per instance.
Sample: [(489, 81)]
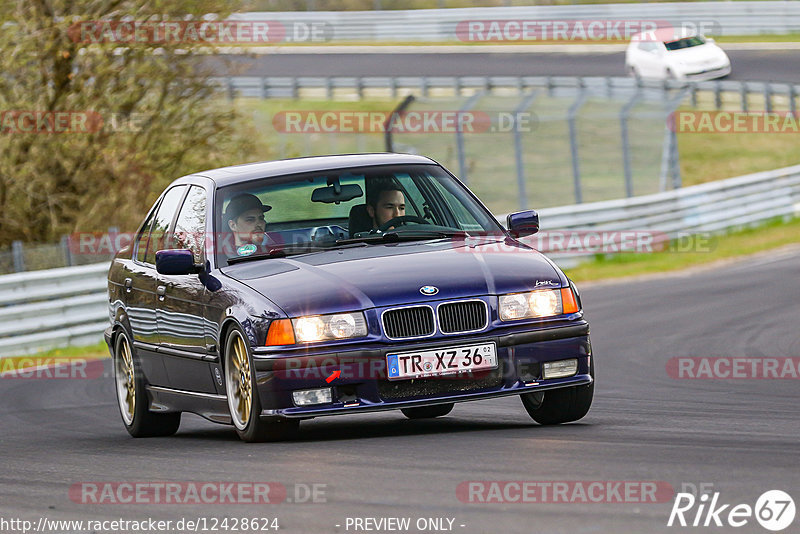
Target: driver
[(244, 216), (386, 203)]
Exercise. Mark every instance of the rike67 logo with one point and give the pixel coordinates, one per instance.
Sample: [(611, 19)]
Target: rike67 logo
[(774, 510)]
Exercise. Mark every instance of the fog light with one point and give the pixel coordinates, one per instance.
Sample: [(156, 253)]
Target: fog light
[(307, 397), (560, 369)]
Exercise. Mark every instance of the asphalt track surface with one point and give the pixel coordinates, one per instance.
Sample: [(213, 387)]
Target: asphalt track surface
[(742, 436), (747, 65)]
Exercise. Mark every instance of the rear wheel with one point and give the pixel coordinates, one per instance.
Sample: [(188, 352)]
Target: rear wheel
[(428, 412), (243, 400), (132, 398)]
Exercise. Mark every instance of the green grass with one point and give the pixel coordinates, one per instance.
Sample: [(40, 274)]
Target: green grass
[(90, 352), (720, 247)]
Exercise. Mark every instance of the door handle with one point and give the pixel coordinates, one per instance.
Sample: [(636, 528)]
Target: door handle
[(128, 285), (161, 291)]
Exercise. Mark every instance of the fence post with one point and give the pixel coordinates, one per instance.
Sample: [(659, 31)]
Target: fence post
[(423, 86), (328, 87), (525, 104), (792, 96), (573, 141), (626, 153), (717, 95), (462, 157), (295, 88), (18, 255)]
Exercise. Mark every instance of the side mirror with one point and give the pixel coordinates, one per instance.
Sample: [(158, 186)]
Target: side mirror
[(523, 223), (176, 262)]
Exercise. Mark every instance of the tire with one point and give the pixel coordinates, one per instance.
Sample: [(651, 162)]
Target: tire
[(243, 399), (563, 405), (428, 412), (129, 382)]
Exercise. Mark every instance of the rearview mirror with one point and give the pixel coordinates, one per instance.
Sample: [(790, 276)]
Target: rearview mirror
[(336, 193), (523, 223), (179, 261)]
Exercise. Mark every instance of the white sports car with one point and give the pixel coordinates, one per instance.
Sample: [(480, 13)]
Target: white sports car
[(679, 55)]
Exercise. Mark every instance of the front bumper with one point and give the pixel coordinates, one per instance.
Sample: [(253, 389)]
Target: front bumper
[(707, 74), (362, 385)]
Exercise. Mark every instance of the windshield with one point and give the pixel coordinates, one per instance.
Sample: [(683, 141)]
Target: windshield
[(310, 212), (686, 42)]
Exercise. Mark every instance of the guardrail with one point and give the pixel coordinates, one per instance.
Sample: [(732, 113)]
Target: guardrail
[(52, 308), (721, 92), (69, 306), (440, 25)]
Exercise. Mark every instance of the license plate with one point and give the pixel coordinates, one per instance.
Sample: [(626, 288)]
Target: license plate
[(440, 362)]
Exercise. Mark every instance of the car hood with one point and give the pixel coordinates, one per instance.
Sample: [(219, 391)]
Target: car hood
[(390, 274)]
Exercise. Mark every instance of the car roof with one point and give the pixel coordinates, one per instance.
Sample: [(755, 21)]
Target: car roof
[(266, 169)]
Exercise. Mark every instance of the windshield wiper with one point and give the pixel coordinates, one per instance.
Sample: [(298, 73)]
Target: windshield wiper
[(393, 236)]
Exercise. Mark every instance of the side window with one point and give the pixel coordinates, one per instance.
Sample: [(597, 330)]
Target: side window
[(141, 242), (166, 212), (191, 224)]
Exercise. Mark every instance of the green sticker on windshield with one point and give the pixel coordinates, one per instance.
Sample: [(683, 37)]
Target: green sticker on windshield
[(246, 250)]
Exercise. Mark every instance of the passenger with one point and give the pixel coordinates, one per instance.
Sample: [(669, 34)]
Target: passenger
[(244, 217)]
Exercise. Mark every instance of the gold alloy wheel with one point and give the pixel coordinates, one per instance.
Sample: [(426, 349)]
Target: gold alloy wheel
[(125, 375), (238, 380)]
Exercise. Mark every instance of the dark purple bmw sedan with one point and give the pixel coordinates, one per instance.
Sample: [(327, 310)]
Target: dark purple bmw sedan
[(264, 294)]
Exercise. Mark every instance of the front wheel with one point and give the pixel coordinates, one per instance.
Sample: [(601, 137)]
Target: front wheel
[(139, 421), (428, 412), (557, 406), (243, 400)]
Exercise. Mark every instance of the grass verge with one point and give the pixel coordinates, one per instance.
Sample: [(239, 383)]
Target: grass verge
[(738, 243)]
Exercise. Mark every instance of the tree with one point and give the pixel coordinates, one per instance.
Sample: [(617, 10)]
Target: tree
[(94, 128)]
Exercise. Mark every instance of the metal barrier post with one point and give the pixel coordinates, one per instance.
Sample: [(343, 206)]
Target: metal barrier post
[(792, 96), (717, 95), (18, 255), (525, 104), (743, 95), (65, 249), (768, 97), (573, 141), (264, 87)]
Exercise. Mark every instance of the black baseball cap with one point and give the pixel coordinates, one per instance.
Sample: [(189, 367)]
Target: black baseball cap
[(242, 203)]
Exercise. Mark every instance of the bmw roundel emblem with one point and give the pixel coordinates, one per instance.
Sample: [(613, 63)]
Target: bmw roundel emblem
[(429, 290)]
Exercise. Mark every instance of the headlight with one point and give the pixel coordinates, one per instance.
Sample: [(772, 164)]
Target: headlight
[(542, 303), (326, 327)]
